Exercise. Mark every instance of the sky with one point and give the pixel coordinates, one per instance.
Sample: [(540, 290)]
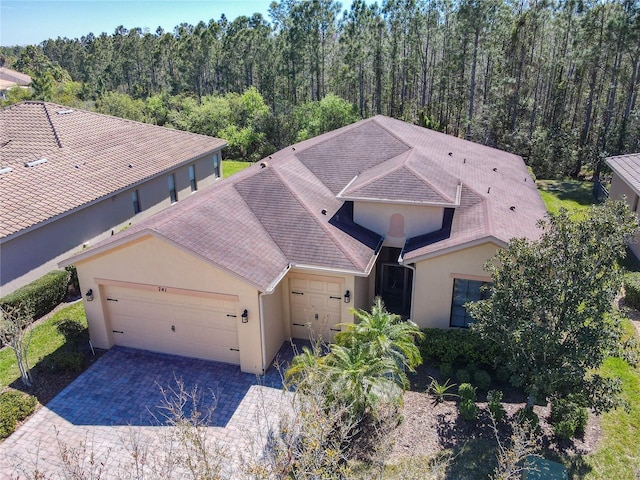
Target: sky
[(27, 22)]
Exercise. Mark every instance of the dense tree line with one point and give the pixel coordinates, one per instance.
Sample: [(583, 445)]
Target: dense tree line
[(556, 81)]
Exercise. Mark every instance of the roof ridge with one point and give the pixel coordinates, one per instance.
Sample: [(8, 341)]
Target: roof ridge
[(321, 224), (53, 128), (393, 134), (429, 182), (383, 173), (266, 231)]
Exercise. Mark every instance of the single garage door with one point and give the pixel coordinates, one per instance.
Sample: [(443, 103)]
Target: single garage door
[(316, 303), (189, 325)]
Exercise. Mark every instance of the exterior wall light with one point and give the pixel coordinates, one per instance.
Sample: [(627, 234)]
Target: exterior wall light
[(347, 297), (245, 316), (89, 295)]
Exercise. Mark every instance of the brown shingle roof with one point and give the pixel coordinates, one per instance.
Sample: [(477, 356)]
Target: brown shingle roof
[(288, 212), (88, 157), (10, 78)]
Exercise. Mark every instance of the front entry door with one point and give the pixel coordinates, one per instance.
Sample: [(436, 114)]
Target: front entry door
[(395, 288)]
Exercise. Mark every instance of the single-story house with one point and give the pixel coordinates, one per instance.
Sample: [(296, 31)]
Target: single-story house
[(625, 184), (70, 177), (11, 78), (290, 245)]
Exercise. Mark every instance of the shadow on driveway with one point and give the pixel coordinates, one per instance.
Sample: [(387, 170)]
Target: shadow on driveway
[(124, 388)]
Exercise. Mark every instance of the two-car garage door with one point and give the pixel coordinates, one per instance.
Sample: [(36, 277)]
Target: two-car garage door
[(165, 320)]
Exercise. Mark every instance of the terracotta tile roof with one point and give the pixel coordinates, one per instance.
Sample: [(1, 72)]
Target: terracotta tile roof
[(287, 211), (628, 168), (89, 156)]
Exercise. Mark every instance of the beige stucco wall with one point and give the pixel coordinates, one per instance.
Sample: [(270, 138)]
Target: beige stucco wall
[(32, 254), (418, 219), (621, 190), (363, 295), (155, 262), (434, 282)]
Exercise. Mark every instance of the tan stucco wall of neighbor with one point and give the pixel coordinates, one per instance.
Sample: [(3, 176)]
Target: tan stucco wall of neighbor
[(154, 262), (621, 190), (32, 254), (362, 296), (434, 282)]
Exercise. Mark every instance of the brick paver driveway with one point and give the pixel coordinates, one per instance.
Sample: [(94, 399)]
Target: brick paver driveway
[(117, 404)]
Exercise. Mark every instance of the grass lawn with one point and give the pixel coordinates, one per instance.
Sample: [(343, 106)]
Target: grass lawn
[(229, 167), (45, 340), (619, 453), (573, 195)]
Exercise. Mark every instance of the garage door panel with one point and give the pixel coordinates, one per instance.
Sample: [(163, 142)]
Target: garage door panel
[(193, 326), (315, 304)]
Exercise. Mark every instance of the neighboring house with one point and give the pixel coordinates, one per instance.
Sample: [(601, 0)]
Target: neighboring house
[(10, 78), (380, 207), (625, 184), (69, 177)]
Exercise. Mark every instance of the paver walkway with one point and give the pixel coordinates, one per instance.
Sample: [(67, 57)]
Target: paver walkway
[(116, 405)]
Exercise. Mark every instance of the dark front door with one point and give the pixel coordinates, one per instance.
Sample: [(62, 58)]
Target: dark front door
[(395, 288)]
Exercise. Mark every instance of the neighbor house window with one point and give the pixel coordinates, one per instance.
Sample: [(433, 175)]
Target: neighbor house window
[(135, 198), (192, 178), (465, 291), (216, 165), (173, 194)]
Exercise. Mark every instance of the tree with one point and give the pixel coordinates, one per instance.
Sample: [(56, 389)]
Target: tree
[(551, 308), (16, 334)]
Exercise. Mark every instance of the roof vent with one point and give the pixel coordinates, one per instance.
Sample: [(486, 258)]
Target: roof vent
[(65, 112), (512, 208), (130, 165), (6, 170), (495, 169), (324, 211), (489, 190), (264, 164), (464, 160), (293, 148), (451, 154), (35, 162)]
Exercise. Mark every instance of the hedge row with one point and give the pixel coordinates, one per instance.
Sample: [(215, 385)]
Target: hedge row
[(459, 346), (632, 289), (15, 406), (43, 294)]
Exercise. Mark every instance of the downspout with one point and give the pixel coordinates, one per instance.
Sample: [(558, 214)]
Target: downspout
[(263, 339)]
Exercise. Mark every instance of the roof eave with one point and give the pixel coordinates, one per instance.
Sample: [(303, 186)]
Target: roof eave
[(455, 248), (401, 202)]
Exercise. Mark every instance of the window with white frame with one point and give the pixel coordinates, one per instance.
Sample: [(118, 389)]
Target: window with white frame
[(465, 291), (173, 194), (192, 178)]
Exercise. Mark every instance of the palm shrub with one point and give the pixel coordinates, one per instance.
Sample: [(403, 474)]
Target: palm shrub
[(384, 334)]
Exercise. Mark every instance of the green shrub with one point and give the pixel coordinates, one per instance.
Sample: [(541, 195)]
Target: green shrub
[(74, 283), (568, 418), (528, 418), (503, 374), (446, 370), (468, 410), (632, 289), (482, 380), (63, 361), (494, 404), (14, 407), (43, 294), (459, 346), (463, 375), (466, 391)]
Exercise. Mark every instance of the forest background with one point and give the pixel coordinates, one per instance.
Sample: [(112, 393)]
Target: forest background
[(554, 81)]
